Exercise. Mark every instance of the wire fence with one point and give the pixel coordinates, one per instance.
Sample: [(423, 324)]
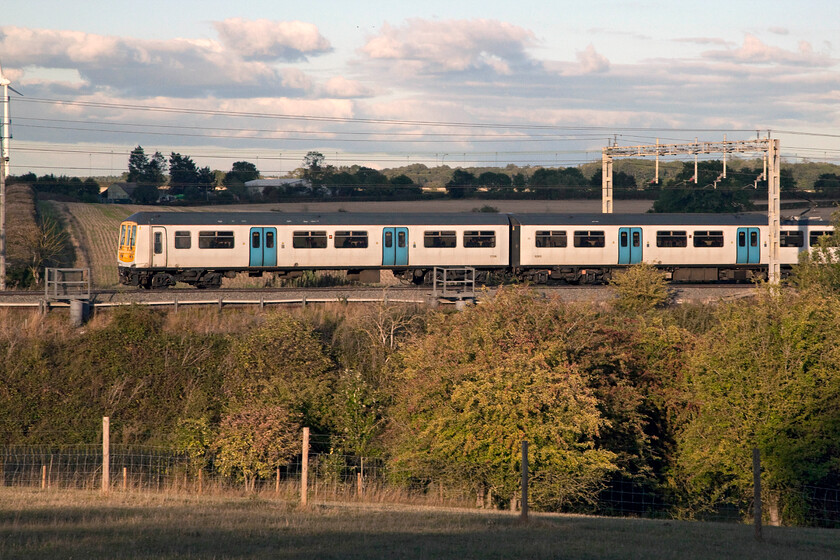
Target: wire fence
[(339, 477)]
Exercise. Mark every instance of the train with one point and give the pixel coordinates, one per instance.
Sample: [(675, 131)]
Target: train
[(159, 249)]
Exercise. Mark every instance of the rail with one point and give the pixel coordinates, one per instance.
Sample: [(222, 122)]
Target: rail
[(221, 302)]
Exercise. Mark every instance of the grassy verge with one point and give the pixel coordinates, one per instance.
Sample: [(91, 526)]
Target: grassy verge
[(77, 524)]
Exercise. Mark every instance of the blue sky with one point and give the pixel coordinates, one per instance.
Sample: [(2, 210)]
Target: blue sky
[(389, 83)]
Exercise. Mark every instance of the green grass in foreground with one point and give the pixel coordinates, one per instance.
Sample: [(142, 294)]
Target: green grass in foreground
[(75, 524)]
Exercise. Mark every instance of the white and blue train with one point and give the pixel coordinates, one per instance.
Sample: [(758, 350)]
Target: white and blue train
[(158, 249)]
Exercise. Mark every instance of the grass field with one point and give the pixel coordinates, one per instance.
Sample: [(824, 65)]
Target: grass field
[(96, 229), (78, 524)]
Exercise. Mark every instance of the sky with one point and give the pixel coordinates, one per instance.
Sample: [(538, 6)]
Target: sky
[(386, 84)]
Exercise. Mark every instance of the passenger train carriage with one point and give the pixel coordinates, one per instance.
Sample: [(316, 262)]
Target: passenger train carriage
[(158, 249)]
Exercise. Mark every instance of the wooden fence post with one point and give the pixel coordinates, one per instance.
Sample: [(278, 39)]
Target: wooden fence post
[(757, 492), (106, 453), (43, 477), (524, 513), (125, 479), (304, 469)]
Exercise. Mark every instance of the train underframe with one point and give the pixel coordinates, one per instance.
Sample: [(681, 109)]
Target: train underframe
[(212, 278)]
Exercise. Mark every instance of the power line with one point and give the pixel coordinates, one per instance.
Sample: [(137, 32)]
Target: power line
[(315, 118)]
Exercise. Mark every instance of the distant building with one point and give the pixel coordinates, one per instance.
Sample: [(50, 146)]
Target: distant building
[(119, 193), (292, 186)]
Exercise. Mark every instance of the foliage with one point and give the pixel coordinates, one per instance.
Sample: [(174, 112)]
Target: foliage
[(195, 438), (144, 170), (767, 379), (818, 270), (694, 200), (561, 183), (240, 173), (461, 185), (66, 188), (46, 247), (283, 362), (255, 440), (828, 183), (186, 178), (640, 288), (130, 369), (480, 382)]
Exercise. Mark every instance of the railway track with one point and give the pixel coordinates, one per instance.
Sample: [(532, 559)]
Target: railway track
[(352, 293)]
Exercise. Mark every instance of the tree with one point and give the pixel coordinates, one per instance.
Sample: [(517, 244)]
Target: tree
[(767, 379), (46, 246), (404, 186), (138, 163), (562, 183), (284, 363), (640, 288), (145, 170), (692, 199), (828, 183), (468, 392), (462, 184), (183, 173), (373, 183), (495, 183), (621, 180), (239, 174), (313, 168), (256, 439)]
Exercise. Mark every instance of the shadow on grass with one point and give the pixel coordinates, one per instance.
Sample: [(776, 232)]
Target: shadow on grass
[(141, 526)]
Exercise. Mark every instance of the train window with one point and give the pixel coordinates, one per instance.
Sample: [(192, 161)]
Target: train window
[(309, 240), (816, 236), (791, 239), (479, 239), (389, 239), (123, 229), (439, 239), (183, 240), (708, 239), (401, 239), (671, 239), (215, 240), (551, 239), (269, 240), (589, 239), (132, 236), (753, 239), (255, 239), (158, 242), (351, 239)]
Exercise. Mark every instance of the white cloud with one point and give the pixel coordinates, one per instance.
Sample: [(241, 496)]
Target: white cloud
[(592, 62), (176, 67), (263, 39), (754, 51), (453, 45), (340, 86), (704, 41)]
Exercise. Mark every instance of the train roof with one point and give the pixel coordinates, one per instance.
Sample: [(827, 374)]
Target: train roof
[(452, 218), (323, 218), (652, 219)]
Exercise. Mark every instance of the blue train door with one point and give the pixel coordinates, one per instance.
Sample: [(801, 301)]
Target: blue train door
[(629, 245), (263, 246), (749, 245), (394, 246)]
